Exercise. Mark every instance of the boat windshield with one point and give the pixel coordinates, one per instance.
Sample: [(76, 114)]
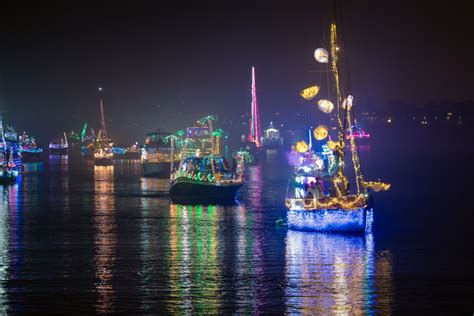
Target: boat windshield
[(205, 165)]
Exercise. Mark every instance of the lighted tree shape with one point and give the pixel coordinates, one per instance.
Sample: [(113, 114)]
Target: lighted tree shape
[(218, 133), (207, 120)]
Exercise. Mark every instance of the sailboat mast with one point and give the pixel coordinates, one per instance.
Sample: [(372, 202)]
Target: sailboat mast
[(102, 117), (335, 70), (255, 126), (2, 136)]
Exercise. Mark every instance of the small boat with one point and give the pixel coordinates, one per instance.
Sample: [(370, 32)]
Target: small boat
[(357, 132), (131, 153), (59, 146), (29, 150), (205, 179), (271, 138)]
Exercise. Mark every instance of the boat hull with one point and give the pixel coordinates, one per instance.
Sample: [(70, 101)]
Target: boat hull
[(103, 161), (28, 156), (331, 220), (58, 151), (128, 156), (184, 190), (8, 177), (156, 169)]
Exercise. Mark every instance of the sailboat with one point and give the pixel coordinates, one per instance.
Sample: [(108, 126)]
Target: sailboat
[(8, 169), (318, 197), (103, 151), (203, 174), (252, 143)]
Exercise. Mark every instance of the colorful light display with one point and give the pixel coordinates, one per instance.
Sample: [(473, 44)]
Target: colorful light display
[(301, 146), (357, 220), (321, 132), (309, 93)]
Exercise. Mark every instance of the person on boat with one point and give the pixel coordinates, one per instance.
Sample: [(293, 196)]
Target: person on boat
[(319, 186), (306, 187)]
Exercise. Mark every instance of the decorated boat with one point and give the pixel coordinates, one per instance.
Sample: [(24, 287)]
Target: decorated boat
[(271, 138), (103, 154), (29, 150), (9, 143), (357, 132), (203, 175), (159, 152), (59, 146), (130, 153), (8, 170), (319, 197)]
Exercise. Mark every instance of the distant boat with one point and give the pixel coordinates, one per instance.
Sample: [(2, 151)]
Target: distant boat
[(103, 151), (8, 172), (271, 138), (252, 142), (29, 150), (9, 142), (158, 153), (357, 132), (59, 146), (131, 153)]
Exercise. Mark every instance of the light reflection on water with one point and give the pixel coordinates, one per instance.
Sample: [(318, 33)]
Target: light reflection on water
[(336, 274), (124, 247), (105, 236)]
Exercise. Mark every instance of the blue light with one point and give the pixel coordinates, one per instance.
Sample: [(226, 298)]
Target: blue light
[(358, 220)]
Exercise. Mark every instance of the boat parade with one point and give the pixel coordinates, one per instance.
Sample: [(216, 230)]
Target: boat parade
[(319, 196), (261, 158)]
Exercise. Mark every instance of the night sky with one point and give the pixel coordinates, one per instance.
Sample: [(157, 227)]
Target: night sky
[(162, 66)]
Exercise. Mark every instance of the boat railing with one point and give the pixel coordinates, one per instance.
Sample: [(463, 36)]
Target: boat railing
[(348, 202)]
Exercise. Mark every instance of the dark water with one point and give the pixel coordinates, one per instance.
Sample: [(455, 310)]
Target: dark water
[(79, 238)]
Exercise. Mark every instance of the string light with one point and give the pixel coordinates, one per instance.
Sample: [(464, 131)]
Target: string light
[(346, 202), (335, 70)]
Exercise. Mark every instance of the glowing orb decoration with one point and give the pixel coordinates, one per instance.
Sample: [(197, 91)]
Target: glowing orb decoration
[(321, 55), (326, 106), (301, 146), (332, 145), (321, 132), (347, 102), (309, 93)]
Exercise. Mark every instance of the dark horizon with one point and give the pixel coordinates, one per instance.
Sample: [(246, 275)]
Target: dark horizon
[(165, 67)]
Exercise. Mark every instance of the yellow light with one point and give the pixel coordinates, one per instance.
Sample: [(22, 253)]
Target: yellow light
[(309, 93), (377, 186), (321, 132), (301, 146)]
